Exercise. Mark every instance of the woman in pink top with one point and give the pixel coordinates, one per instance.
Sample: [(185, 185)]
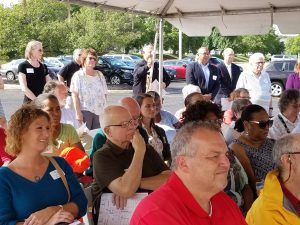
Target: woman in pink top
[(5, 158), (293, 81)]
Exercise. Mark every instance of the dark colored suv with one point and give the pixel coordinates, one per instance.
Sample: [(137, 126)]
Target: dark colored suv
[(115, 71), (279, 72)]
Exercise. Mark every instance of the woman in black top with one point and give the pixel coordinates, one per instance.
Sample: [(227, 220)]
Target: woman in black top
[(33, 75)]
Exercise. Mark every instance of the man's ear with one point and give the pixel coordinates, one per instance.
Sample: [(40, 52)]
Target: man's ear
[(182, 163), (106, 131), (285, 159)]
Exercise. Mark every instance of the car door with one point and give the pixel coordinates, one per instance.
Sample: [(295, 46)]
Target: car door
[(104, 67)]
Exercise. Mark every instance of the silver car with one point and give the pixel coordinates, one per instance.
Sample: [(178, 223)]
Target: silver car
[(10, 69)]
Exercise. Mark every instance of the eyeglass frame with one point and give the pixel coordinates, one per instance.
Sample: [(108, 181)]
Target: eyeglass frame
[(259, 123), (124, 124)]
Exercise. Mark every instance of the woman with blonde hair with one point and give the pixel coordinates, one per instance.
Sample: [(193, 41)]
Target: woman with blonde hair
[(33, 74), (35, 189), (293, 81)]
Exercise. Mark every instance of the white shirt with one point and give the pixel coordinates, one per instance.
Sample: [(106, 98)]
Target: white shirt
[(259, 87), (278, 129), (229, 69)]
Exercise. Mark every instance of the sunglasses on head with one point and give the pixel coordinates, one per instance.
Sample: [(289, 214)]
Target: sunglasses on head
[(263, 124)]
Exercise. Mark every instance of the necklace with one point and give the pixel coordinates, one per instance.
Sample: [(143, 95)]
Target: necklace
[(37, 178)]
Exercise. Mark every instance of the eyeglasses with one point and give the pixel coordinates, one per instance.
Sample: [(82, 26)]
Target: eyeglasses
[(139, 118), (293, 153), (40, 50), (296, 106), (124, 124), (257, 63), (203, 53), (263, 124), (92, 58)]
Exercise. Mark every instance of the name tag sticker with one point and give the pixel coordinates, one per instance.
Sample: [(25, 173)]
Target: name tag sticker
[(54, 174), (214, 77), (29, 70)]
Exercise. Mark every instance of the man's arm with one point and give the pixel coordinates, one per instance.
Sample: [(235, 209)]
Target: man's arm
[(152, 183), (126, 185), (60, 78), (189, 74)]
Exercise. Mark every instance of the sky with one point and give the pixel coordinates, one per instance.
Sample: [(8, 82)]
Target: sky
[(7, 3)]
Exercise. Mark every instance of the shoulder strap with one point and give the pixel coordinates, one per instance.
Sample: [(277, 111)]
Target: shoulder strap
[(61, 174), (284, 124)]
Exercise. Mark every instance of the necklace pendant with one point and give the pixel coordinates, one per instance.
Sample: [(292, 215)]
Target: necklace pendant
[(37, 178)]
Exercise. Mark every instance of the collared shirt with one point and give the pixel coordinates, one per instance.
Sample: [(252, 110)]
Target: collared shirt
[(292, 198), (229, 69), (278, 129), (173, 203), (206, 73), (259, 87)]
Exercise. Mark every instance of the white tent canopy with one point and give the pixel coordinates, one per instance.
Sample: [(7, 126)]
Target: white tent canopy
[(197, 17)]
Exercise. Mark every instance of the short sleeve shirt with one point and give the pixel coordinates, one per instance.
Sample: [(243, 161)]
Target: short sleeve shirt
[(68, 71), (112, 161), (91, 90), (35, 77)]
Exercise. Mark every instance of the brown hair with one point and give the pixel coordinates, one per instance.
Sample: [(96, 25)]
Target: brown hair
[(85, 53), (19, 124), (297, 66)]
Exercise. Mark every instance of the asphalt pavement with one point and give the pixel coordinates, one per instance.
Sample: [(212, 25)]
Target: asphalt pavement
[(12, 96)]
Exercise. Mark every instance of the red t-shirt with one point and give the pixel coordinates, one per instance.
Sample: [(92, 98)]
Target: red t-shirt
[(3, 155), (173, 204)]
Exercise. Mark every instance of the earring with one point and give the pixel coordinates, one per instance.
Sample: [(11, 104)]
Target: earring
[(246, 132)]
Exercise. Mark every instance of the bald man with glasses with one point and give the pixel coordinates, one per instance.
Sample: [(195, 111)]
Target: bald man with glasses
[(125, 164), (204, 74)]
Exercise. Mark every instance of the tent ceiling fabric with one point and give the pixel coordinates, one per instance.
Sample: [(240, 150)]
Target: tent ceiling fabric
[(197, 17)]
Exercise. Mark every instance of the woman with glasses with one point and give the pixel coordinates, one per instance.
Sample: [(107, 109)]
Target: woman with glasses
[(33, 74), (89, 91), (257, 82), (253, 148), (288, 118), (156, 136)]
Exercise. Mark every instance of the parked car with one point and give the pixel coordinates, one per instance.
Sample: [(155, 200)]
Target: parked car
[(52, 70), (10, 69), (115, 71), (171, 72), (279, 72), (126, 57), (65, 59), (178, 65), (54, 61), (283, 57)]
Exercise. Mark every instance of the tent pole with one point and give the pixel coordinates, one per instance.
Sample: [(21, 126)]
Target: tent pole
[(161, 47), (180, 44)]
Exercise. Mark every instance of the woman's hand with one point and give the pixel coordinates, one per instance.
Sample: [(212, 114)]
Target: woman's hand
[(40, 217), (61, 216)]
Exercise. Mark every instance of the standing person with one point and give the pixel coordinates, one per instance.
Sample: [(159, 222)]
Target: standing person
[(89, 91), (293, 81), (142, 69), (257, 82), (278, 203), (194, 192), (67, 72), (203, 74), (31, 189), (229, 76), (33, 74), (288, 118)]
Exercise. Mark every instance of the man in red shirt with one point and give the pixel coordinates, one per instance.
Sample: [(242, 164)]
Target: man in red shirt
[(194, 192)]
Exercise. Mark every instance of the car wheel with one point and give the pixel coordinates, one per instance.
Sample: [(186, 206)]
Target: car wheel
[(115, 80), (10, 75), (277, 89)]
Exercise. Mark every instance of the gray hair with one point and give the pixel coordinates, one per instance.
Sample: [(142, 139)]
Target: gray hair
[(253, 58), (150, 45), (283, 146), (31, 46), (39, 100), (288, 96), (182, 143), (50, 86), (239, 104), (76, 52), (190, 88)]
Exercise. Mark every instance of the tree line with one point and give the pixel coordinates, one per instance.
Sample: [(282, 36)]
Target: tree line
[(62, 28)]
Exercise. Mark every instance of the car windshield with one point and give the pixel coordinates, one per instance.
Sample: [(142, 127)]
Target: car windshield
[(115, 62), (135, 57)]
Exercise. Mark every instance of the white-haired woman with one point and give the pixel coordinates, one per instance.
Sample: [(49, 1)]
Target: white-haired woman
[(33, 74), (257, 82)]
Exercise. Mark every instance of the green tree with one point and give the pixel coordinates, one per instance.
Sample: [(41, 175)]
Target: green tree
[(292, 45)]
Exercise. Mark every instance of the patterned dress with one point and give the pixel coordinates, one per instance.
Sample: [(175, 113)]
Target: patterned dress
[(260, 158)]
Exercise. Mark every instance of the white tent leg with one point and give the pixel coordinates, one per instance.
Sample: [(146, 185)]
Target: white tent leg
[(161, 48)]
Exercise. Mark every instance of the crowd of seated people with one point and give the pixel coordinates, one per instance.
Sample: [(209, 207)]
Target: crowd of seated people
[(131, 153)]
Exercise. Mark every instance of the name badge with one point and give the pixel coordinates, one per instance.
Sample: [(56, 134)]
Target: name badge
[(54, 174), (29, 70), (215, 77)]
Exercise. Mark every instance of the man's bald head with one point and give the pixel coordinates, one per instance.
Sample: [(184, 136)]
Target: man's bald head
[(131, 105), (113, 115)]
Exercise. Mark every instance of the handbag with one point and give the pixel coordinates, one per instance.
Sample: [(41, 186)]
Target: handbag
[(62, 175)]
